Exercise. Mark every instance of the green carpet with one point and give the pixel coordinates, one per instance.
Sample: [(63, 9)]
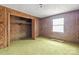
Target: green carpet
[(42, 46)]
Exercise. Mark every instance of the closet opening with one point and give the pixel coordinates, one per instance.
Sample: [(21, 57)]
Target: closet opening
[(20, 28)]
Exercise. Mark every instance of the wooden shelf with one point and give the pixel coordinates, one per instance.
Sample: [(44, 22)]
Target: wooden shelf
[(22, 23)]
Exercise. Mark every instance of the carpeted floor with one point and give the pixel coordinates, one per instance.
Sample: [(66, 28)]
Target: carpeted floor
[(40, 46)]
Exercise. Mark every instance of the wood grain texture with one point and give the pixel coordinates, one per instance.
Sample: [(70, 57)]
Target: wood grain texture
[(20, 28), (5, 24), (3, 27)]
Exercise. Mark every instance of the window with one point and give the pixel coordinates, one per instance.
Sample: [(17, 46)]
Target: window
[(58, 25)]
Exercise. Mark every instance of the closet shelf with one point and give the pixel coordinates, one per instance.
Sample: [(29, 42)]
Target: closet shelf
[(21, 23)]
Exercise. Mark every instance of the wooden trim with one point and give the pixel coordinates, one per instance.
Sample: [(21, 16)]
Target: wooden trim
[(33, 29), (8, 41)]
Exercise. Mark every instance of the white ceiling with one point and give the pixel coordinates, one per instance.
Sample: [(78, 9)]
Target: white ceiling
[(46, 10)]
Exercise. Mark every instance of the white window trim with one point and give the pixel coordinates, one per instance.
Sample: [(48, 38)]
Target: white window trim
[(56, 23)]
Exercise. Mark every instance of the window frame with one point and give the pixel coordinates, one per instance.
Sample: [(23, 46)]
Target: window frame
[(59, 24)]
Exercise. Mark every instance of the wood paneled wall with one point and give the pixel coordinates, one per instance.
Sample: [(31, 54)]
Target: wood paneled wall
[(5, 24), (71, 27), (3, 27)]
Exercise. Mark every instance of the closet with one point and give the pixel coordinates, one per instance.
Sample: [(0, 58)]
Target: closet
[(16, 25), (20, 28)]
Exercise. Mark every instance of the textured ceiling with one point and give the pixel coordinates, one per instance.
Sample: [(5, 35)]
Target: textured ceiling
[(46, 10)]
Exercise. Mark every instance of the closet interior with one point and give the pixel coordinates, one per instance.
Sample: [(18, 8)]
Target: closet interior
[(20, 28)]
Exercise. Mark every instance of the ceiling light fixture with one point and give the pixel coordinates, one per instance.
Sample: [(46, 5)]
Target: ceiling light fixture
[(41, 5)]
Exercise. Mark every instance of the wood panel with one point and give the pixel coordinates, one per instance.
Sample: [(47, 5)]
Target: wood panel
[(3, 27), (24, 28), (71, 27), (8, 29), (5, 18), (33, 29)]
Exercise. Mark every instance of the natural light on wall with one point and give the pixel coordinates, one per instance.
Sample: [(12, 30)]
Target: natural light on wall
[(58, 25)]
